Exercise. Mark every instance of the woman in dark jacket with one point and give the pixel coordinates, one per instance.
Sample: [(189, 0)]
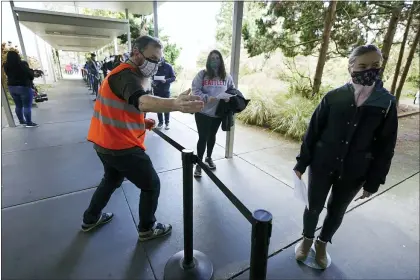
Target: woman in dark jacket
[(348, 146), (19, 82)]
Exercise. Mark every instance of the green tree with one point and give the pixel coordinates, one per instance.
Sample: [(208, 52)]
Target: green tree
[(297, 28), (142, 25), (413, 49), (202, 59), (102, 13), (224, 19)]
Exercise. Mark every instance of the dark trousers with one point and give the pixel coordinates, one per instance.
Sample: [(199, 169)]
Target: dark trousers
[(138, 169), (95, 85), (160, 115), (342, 193), (22, 96), (207, 129)]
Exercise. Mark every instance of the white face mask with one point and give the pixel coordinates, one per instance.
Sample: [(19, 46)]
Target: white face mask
[(148, 69)]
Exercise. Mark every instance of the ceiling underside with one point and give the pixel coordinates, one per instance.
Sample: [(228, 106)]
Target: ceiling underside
[(72, 32), (139, 7), (135, 7)]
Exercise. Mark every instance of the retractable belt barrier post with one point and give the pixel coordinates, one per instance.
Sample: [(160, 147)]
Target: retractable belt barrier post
[(190, 264), (260, 241)]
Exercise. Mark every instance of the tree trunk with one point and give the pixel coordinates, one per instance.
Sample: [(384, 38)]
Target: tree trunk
[(401, 54), (407, 64), (390, 33), (329, 22)]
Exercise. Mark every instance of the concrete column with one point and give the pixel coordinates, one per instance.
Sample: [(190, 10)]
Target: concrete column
[(238, 9), (19, 32), (6, 106), (115, 45), (59, 63), (50, 63), (155, 19), (38, 53), (128, 31)]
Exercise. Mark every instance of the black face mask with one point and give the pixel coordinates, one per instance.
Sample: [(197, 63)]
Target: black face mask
[(366, 77)]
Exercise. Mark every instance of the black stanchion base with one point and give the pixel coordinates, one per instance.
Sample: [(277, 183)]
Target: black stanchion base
[(202, 270)]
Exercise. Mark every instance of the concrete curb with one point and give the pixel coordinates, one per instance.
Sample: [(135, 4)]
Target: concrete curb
[(408, 114)]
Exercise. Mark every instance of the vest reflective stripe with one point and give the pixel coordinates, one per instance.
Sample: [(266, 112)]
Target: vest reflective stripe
[(117, 123), (122, 105)]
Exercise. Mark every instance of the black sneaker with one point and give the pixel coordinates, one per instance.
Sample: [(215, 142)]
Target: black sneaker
[(210, 163), (103, 219), (160, 125), (197, 172), (158, 230), (31, 124)]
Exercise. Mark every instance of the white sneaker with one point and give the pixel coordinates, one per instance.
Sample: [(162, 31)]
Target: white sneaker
[(167, 126)]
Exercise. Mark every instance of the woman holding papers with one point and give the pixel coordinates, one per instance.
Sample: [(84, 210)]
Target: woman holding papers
[(211, 85), (348, 146)]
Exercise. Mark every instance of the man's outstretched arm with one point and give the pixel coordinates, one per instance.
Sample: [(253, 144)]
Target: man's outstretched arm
[(127, 86)]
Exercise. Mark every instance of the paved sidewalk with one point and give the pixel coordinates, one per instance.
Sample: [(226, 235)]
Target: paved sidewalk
[(49, 174)]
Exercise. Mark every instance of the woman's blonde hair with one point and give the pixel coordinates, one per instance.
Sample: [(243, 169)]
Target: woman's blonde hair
[(361, 50)]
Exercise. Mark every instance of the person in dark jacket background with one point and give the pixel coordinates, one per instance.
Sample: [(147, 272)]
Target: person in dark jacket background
[(19, 81), (162, 87), (94, 68), (348, 145)]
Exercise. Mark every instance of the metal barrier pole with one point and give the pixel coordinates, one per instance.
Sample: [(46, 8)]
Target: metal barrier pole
[(188, 264), (6, 106), (188, 184), (260, 240)]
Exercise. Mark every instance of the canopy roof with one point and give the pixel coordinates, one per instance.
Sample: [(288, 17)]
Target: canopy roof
[(72, 32), (139, 7)]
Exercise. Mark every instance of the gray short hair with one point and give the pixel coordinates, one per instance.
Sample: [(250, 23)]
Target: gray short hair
[(143, 41), (361, 50)]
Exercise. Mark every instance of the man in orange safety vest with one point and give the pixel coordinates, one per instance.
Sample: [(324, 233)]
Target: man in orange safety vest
[(118, 128)]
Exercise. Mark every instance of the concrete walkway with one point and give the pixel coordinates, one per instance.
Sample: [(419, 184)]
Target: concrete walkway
[(50, 172)]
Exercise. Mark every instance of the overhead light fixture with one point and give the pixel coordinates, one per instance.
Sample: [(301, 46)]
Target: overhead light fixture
[(78, 35)]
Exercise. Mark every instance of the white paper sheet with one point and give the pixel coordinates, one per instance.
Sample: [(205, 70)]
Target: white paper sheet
[(300, 190), (224, 95), (159, 78)]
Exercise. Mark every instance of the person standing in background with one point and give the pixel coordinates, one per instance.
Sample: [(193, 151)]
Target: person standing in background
[(94, 71), (161, 85), (19, 81), (209, 84)]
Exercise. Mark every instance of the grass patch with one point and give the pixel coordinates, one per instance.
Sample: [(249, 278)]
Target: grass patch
[(260, 110), (283, 113)]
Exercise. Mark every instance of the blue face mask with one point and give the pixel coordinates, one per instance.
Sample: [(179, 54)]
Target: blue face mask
[(366, 77)]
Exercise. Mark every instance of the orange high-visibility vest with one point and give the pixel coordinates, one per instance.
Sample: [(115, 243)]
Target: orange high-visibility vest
[(115, 124)]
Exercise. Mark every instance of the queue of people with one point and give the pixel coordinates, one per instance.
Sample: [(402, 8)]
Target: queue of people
[(94, 71), (348, 146)]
